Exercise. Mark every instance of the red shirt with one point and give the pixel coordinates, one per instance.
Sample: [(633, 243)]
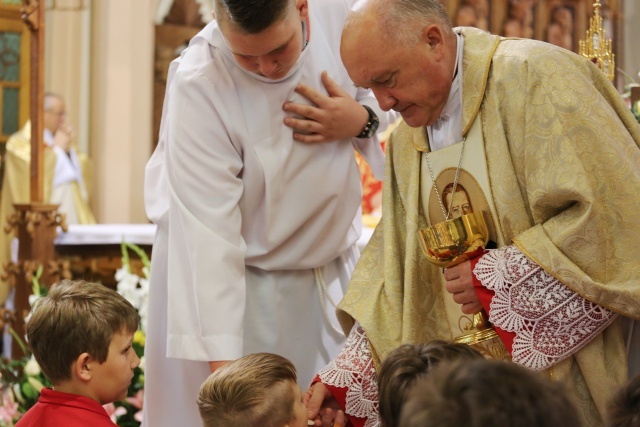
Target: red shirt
[(57, 409)]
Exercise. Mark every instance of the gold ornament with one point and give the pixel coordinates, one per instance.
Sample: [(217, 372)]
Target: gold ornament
[(596, 46)]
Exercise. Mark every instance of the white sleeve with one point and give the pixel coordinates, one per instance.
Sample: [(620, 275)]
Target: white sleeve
[(66, 169), (370, 148), (206, 278), (156, 191)]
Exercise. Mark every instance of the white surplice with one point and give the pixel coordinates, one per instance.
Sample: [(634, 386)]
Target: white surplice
[(249, 220), (67, 172)]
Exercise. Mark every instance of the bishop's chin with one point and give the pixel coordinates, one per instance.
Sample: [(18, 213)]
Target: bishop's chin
[(413, 118)]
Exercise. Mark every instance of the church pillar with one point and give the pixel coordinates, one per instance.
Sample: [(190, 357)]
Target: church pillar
[(122, 49), (67, 40)]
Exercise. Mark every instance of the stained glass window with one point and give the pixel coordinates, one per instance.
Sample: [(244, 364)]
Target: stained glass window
[(10, 107), (10, 56), (10, 79)]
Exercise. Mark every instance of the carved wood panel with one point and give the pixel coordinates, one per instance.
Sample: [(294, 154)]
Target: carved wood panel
[(561, 22), (181, 23)]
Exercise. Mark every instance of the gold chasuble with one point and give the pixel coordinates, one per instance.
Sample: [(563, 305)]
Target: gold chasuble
[(561, 184)]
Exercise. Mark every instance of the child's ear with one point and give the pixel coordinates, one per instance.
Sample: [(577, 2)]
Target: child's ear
[(83, 366)]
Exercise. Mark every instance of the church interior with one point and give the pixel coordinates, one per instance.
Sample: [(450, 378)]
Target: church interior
[(100, 56), (107, 61)]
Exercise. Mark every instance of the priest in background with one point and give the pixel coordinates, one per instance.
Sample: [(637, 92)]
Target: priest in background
[(65, 172)]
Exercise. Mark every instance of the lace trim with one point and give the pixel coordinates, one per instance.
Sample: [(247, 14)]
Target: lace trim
[(551, 321), (354, 370)]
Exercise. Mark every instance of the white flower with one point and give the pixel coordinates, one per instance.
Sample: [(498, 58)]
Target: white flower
[(32, 368), (144, 286), (128, 285), (141, 365), (17, 393), (126, 279), (33, 298), (133, 287)]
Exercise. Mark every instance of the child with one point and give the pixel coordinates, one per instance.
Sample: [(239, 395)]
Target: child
[(259, 389), (404, 365), (81, 335), (487, 393), (624, 408)]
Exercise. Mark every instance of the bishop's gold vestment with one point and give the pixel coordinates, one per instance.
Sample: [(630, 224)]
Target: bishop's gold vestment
[(563, 161), (16, 190)]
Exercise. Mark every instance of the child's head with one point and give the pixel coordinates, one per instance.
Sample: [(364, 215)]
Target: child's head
[(624, 408), (487, 393), (404, 365), (81, 334), (256, 390)]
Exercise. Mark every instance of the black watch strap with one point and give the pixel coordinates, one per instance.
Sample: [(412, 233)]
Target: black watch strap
[(371, 127)]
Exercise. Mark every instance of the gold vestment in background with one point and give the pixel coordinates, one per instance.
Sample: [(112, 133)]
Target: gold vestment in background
[(16, 189)]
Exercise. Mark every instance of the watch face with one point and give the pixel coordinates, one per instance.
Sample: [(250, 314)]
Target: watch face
[(371, 127), (374, 126)]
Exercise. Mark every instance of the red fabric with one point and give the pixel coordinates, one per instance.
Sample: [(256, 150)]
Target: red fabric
[(57, 409), (340, 395), (485, 296), (371, 187)]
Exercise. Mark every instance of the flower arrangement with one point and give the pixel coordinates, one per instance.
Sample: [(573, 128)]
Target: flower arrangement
[(135, 288), (628, 88), (21, 380)]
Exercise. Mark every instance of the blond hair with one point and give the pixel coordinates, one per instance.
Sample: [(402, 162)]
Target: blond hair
[(76, 317), (251, 391)]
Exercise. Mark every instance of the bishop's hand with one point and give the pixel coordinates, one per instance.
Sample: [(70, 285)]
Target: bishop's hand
[(63, 137), (459, 283), (322, 408)]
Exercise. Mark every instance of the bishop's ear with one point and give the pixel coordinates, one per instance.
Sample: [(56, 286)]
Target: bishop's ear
[(433, 36)]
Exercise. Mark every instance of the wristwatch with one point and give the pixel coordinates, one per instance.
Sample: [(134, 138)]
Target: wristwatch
[(371, 127)]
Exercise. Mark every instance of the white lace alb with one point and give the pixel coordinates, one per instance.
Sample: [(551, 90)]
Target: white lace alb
[(551, 322), (353, 369)]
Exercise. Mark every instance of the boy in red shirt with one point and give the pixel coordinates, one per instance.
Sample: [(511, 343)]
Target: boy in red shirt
[(81, 335)]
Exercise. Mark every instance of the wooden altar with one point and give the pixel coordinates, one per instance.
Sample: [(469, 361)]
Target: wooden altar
[(93, 252)]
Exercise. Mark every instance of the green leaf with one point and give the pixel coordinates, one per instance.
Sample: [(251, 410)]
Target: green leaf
[(138, 250), (19, 340), (36, 384), (36, 278), (29, 391), (125, 255)]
